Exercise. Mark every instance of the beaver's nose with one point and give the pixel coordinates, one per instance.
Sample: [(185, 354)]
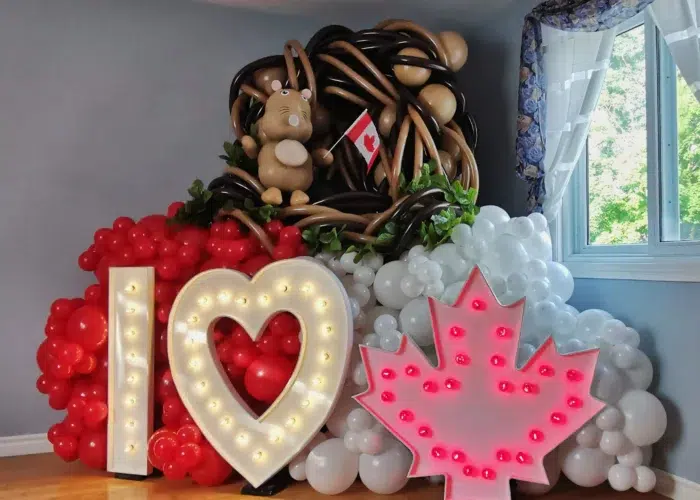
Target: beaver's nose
[(294, 120)]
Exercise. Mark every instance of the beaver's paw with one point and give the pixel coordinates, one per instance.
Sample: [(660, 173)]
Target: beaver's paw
[(272, 196), (322, 157), (291, 153), (298, 198), (250, 147)]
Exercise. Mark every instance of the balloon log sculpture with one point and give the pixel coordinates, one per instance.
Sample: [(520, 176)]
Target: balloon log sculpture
[(251, 352)]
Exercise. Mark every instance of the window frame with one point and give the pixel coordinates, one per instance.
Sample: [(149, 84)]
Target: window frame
[(657, 260)]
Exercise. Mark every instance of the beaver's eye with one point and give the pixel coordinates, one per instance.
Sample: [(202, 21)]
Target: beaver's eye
[(285, 92)]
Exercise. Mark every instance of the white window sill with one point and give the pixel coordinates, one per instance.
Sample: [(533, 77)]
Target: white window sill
[(634, 267)]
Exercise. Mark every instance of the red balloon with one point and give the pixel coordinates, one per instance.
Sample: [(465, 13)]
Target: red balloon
[(173, 411), (123, 224), (93, 295), (144, 248), (231, 230), (255, 245), (93, 450), (168, 248), (168, 269), (137, 233), (124, 257), (173, 208), (71, 354), (97, 392), (233, 372), (54, 347), (81, 390), (193, 236), (267, 376), (61, 309), (273, 229), (165, 387), (163, 313), (116, 242), (42, 356), (243, 356), (88, 260), (269, 345), (102, 270), (60, 370), (291, 236), (189, 455), (86, 365), (165, 447), (155, 462), (55, 431), (164, 292), (101, 372), (284, 324), (95, 414), (87, 326), (154, 222), (186, 419), (42, 384), (102, 239), (225, 351), (73, 426), (161, 346), (66, 447), (76, 407), (291, 345), (189, 434), (175, 471), (240, 338), (282, 252), (188, 255), (213, 470), (255, 264)]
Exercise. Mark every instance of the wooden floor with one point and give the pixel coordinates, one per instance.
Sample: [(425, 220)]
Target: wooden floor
[(44, 477)]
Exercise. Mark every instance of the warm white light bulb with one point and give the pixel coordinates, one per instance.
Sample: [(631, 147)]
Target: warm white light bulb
[(132, 333), (264, 300), (224, 297), (195, 364), (130, 401), (321, 305), (203, 301), (242, 301), (130, 448), (226, 422), (193, 320), (305, 403), (131, 310), (130, 424), (131, 288), (283, 287), (275, 437), (325, 357), (307, 288), (131, 379), (242, 439), (291, 422), (317, 381), (327, 330), (214, 405), (258, 456)]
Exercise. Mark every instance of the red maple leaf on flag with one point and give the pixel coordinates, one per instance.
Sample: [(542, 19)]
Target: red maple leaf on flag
[(369, 142), (476, 418)]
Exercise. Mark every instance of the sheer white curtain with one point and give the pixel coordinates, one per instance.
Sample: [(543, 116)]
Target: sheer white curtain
[(575, 64), (678, 22)]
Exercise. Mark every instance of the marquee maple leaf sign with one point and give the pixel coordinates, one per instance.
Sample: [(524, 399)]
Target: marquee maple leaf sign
[(475, 418)]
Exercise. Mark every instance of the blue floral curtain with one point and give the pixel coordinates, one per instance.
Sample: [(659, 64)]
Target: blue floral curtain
[(567, 15)]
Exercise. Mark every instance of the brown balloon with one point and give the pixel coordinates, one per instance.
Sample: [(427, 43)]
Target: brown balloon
[(263, 78), (321, 120), (450, 146), (440, 101), (413, 76), (456, 48), (449, 164), (387, 118)]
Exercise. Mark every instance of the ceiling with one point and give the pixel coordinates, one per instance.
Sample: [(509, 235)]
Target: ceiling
[(459, 12)]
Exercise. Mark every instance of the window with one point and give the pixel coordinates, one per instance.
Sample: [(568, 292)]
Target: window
[(632, 210)]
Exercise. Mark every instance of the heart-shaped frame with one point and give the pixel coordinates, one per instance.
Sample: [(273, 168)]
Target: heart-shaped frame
[(259, 447)]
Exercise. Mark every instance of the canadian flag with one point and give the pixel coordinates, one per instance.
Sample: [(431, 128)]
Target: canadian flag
[(363, 134)]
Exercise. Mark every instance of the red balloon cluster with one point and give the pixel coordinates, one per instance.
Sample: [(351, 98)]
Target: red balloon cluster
[(73, 357)]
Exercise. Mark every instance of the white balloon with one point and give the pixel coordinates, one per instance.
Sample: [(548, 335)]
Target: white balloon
[(483, 229), (376, 311), (337, 423), (539, 221), (610, 419), (411, 286), (434, 289), (587, 467), (525, 352), (614, 331), (460, 234), (496, 215), (454, 267), (335, 266), (642, 373), (614, 443), (553, 469), (498, 286), (359, 376), (371, 340), (385, 323), (646, 479), (387, 285), (633, 458), (414, 321), (415, 263), (387, 472), (537, 290), (347, 261), (622, 478), (536, 269), (545, 314), (371, 443), (352, 441), (418, 250), (317, 439), (564, 324), (608, 382), (360, 420), (560, 279), (624, 356), (473, 249), (297, 469), (589, 436), (451, 293), (390, 341), (539, 246), (517, 283), (645, 417), (429, 272), (590, 323), (521, 227), (373, 261), (331, 468), (506, 255), (364, 275), (359, 292), (632, 337), (574, 345), (355, 307)]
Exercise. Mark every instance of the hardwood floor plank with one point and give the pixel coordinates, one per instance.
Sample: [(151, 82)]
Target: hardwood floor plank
[(46, 477)]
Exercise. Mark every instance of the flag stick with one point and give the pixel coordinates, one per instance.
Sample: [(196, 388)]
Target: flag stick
[(345, 133)]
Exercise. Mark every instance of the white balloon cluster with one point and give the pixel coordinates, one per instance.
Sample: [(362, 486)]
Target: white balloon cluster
[(515, 256)]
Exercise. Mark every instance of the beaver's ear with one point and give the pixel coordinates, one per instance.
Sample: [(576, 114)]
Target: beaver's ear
[(276, 85), (306, 94)]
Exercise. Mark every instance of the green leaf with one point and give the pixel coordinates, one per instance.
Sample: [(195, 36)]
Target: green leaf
[(326, 238), (335, 245)]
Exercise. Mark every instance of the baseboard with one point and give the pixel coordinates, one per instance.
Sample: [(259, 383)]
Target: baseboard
[(676, 487), (29, 444)]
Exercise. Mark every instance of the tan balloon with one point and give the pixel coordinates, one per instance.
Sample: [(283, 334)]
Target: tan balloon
[(456, 48), (387, 118), (450, 146), (263, 78), (413, 76), (449, 164), (440, 101)]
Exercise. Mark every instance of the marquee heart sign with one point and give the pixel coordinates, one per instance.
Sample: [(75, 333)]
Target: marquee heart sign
[(259, 447)]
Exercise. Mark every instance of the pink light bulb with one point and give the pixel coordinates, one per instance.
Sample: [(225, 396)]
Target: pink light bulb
[(523, 458), (425, 431), (457, 332), (546, 371), (388, 374), (574, 376), (503, 456), (406, 416), (462, 359), (504, 332), (558, 418), (412, 371), (430, 386), (438, 452), (478, 305), (498, 360), (452, 384), (388, 397), (530, 388), (458, 456), (470, 471), (537, 435), (505, 386), (574, 403), (488, 474)]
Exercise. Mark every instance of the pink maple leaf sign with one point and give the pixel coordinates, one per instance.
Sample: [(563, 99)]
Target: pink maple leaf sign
[(476, 418)]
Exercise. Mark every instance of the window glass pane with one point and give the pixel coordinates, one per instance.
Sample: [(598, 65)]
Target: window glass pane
[(617, 149), (688, 116)]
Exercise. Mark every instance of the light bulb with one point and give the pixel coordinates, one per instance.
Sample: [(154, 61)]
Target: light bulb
[(307, 288), (291, 422), (275, 437), (321, 305), (325, 357), (132, 333), (131, 310), (130, 448), (131, 379), (317, 381), (132, 356), (242, 439), (130, 424), (328, 330), (264, 300), (203, 301), (193, 320), (226, 422), (242, 301), (131, 288), (305, 403), (195, 364), (258, 456), (224, 297), (283, 287), (130, 401), (214, 405)]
